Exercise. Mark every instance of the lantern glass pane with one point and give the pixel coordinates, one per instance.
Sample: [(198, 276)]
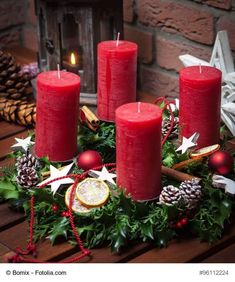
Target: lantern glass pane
[(72, 52)]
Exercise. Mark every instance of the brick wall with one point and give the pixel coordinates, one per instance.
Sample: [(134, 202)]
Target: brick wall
[(18, 23), (165, 29)]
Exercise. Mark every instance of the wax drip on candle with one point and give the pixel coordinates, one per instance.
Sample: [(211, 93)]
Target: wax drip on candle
[(200, 68), (118, 38), (138, 107), (58, 70)]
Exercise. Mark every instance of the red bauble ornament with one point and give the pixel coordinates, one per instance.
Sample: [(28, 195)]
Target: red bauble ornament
[(221, 162), (89, 159)]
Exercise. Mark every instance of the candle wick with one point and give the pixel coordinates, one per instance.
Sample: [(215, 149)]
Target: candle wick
[(200, 68), (58, 70), (138, 107), (118, 38)]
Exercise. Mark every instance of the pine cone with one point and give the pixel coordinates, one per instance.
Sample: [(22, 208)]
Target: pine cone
[(27, 160), (170, 195), (27, 177), (21, 112), (191, 192), (166, 124), (13, 83)]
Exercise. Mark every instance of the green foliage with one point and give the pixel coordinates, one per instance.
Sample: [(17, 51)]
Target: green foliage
[(59, 229), (103, 141), (8, 190), (213, 212)]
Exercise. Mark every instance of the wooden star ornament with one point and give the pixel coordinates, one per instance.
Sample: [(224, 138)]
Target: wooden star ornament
[(188, 143), (56, 173), (23, 144), (103, 175)]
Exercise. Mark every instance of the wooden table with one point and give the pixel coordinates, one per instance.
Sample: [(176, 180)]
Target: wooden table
[(14, 232)]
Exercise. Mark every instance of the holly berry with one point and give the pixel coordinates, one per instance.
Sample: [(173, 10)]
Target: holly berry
[(178, 225), (65, 214), (184, 221), (55, 208)]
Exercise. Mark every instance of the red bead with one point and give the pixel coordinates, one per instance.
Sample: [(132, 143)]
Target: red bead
[(221, 162), (55, 208), (184, 221), (89, 159)]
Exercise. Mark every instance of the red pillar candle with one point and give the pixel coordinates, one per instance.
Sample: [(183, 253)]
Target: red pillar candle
[(199, 103), (117, 66), (57, 115), (138, 149)]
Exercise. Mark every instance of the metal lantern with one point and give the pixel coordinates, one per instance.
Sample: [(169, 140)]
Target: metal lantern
[(68, 33)]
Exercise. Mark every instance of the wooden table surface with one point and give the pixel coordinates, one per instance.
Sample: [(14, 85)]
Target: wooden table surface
[(14, 232), (14, 226)]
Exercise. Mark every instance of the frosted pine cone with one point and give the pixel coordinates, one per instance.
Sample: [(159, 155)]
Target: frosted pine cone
[(191, 192), (27, 160), (166, 123), (170, 195), (27, 177)]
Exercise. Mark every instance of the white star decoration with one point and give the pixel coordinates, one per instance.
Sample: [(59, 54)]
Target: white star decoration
[(103, 175), (222, 59), (23, 144), (55, 173), (188, 143)]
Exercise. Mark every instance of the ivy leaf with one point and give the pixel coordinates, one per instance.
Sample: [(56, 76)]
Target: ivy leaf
[(59, 229), (8, 190)]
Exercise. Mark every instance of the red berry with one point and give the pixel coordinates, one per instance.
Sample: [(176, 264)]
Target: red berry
[(178, 225), (184, 221), (55, 208), (65, 214)]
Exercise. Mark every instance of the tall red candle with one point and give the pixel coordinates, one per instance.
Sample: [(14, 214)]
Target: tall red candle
[(138, 149), (199, 103), (57, 115), (117, 66)]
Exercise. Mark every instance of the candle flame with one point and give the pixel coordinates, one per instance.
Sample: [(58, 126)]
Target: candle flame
[(73, 59)]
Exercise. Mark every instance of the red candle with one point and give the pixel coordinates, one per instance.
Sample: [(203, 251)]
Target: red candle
[(200, 102), (117, 66), (57, 115), (138, 149)]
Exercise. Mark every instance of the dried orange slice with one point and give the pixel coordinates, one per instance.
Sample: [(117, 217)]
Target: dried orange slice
[(206, 151), (77, 205), (185, 163), (92, 192)]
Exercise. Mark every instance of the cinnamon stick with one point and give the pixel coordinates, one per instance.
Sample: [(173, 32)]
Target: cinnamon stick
[(90, 116), (177, 175)]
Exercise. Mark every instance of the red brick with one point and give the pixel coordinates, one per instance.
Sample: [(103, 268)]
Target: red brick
[(128, 12), (158, 82), (228, 23), (32, 19), (11, 13), (30, 39), (144, 40), (168, 51), (192, 22), (11, 38), (222, 4)]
